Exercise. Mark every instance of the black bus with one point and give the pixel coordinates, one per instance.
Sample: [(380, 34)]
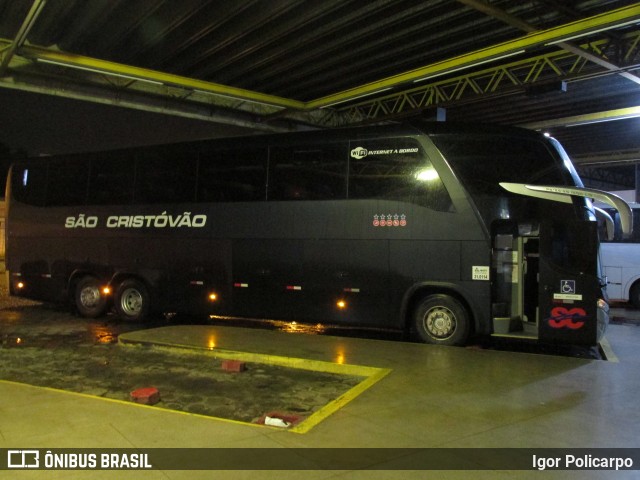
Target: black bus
[(443, 230)]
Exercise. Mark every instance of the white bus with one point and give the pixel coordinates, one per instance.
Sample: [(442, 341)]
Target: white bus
[(620, 260)]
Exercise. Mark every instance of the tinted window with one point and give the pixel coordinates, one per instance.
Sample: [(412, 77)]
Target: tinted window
[(111, 179), (28, 183), (165, 176), (395, 169), (308, 172), (482, 162), (232, 175), (68, 182)]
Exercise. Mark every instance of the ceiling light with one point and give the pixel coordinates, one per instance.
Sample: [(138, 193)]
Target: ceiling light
[(355, 98), (469, 65)]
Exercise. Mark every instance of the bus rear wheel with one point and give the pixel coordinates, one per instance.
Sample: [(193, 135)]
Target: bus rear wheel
[(441, 319), (132, 300), (89, 300)]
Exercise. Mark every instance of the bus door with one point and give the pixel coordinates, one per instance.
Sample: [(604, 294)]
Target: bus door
[(569, 283), (516, 262), (546, 282)]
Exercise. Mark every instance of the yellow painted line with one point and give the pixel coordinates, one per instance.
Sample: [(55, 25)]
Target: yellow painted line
[(127, 403), (608, 351), (281, 361), (341, 401), (372, 374)]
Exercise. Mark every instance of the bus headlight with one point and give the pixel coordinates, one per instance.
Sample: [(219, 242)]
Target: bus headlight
[(602, 319), (602, 305)]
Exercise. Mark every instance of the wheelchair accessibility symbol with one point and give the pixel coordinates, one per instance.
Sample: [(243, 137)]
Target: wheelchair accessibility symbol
[(568, 286)]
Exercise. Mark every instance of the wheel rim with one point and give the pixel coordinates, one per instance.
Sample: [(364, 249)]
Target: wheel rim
[(90, 296), (131, 302), (440, 322)]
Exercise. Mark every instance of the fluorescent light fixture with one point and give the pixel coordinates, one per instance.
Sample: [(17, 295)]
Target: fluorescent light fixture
[(469, 65), (101, 72), (592, 32)]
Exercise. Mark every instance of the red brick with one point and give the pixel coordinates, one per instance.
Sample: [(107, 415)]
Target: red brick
[(234, 366), (146, 396)]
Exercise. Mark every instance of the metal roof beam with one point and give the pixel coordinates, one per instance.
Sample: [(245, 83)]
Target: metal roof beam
[(484, 7), (613, 157), (500, 14), (138, 100), (577, 120), (21, 36), (505, 79), (104, 67), (605, 21), (154, 83)]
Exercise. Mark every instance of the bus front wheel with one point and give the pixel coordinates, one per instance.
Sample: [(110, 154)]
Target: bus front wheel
[(89, 300), (441, 319), (132, 300)]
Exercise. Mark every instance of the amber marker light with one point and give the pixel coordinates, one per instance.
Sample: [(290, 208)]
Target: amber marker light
[(20, 285), (213, 297), (106, 290), (341, 304)]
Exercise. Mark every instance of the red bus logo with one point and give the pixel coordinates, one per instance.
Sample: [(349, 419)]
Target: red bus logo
[(562, 317)]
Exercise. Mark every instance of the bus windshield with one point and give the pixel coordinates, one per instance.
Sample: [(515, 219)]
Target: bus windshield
[(482, 162)]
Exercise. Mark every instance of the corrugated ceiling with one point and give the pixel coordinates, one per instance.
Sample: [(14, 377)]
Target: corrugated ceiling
[(268, 62)]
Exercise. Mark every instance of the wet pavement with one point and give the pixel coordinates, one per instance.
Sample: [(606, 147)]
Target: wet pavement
[(51, 346), (44, 345), (430, 396)]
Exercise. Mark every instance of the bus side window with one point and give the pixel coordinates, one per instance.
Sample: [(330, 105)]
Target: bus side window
[(308, 172), (232, 175), (396, 169), (111, 179), (67, 185), (165, 176), (29, 183)]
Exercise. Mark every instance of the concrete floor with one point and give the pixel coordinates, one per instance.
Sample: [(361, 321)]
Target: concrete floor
[(432, 397)]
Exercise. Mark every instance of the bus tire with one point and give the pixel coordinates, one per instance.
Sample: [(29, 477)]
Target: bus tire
[(132, 300), (89, 300), (634, 295), (442, 320)]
